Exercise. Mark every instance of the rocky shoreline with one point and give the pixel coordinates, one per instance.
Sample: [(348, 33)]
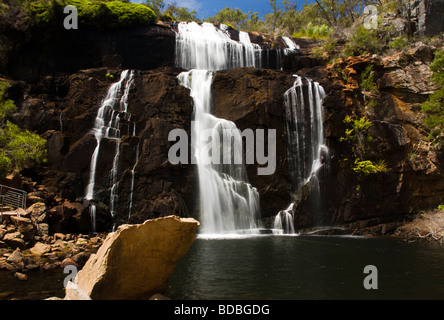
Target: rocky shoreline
[(21, 255), (52, 252)]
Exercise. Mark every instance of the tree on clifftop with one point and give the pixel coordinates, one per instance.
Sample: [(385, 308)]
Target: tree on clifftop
[(18, 148)]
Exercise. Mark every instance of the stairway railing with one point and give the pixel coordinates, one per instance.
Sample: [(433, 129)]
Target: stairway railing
[(11, 198)]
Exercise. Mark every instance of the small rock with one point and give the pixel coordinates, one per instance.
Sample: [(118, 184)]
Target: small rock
[(24, 226), (68, 262), (43, 229), (60, 236), (2, 232), (6, 266), (81, 241), (58, 245), (21, 212), (16, 257), (14, 240), (31, 199), (40, 249), (158, 296), (51, 266), (51, 256), (32, 267), (21, 276), (37, 212)]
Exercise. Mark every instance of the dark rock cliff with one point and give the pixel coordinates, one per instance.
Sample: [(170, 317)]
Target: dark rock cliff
[(44, 50), (414, 177), (58, 87)]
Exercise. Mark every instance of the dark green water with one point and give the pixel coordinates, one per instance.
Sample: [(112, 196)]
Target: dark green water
[(308, 267), (283, 268), (40, 285)]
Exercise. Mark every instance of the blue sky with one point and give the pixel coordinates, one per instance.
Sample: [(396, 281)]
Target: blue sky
[(207, 8)]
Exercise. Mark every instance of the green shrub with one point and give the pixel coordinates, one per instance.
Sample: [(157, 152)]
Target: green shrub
[(313, 31), (166, 17), (368, 79), (358, 127), (367, 167), (363, 41), (399, 42), (95, 13), (434, 106), (7, 107), (357, 135), (17, 147), (21, 146)]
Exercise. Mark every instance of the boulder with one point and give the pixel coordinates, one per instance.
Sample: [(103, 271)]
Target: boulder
[(40, 249), (37, 212), (428, 16), (16, 257), (136, 261), (14, 240), (25, 226), (73, 292), (21, 276)]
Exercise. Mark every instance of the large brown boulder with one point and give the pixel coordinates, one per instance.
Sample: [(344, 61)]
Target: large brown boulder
[(136, 261)]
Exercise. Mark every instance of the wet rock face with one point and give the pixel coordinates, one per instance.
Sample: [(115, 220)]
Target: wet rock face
[(67, 51), (254, 99), (413, 181), (63, 109), (157, 105)]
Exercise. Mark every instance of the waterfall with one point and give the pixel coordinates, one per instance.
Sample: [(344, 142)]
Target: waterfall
[(228, 203), (203, 46), (253, 51), (283, 222), (305, 135), (291, 46), (61, 121), (133, 173), (107, 126), (304, 127)]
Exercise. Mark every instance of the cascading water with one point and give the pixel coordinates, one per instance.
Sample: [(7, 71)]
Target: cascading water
[(133, 174), (253, 51), (203, 46), (107, 126), (292, 47), (305, 135), (283, 221), (228, 203)]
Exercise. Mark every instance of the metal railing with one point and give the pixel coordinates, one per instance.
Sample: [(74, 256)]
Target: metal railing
[(11, 198)]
